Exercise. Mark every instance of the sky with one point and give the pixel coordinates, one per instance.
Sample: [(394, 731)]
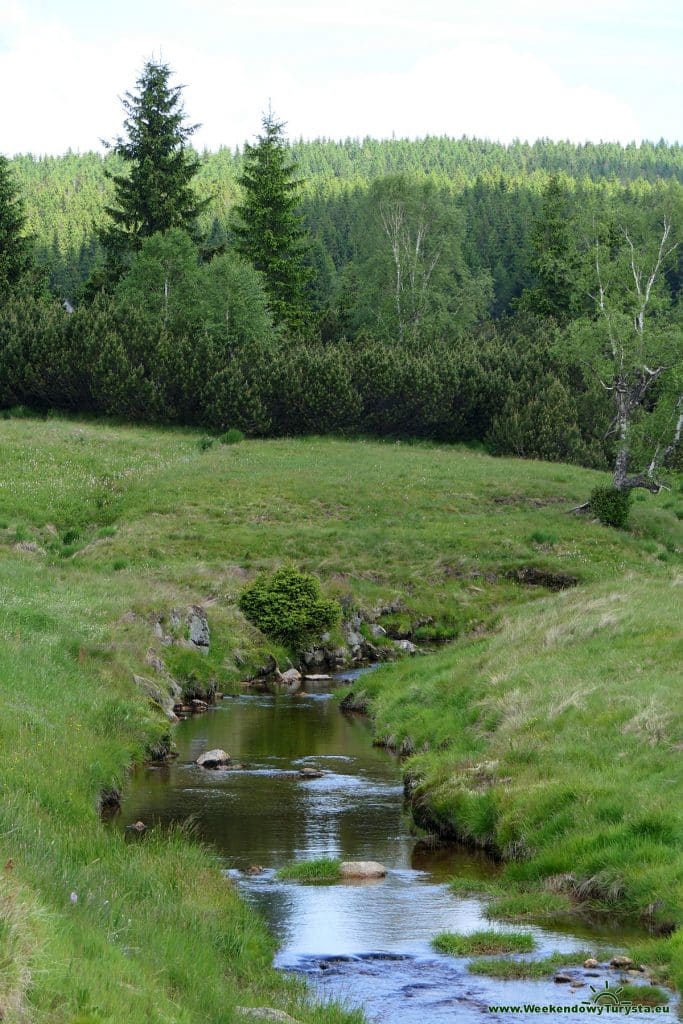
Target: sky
[(497, 69)]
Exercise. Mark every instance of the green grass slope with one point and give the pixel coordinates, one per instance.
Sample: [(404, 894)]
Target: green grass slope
[(98, 521)]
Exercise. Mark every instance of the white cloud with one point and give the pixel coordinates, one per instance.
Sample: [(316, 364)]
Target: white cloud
[(61, 91), (484, 90)]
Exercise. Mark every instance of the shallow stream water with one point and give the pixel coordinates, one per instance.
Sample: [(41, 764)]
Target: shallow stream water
[(368, 943)]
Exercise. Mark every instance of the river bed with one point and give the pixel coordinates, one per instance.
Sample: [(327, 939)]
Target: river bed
[(367, 943)]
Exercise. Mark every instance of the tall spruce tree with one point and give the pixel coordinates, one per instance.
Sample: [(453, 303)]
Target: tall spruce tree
[(15, 247), (155, 194), (555, 258), (269, 228)]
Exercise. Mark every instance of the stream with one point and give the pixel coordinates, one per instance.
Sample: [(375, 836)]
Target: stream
[(363, 943)]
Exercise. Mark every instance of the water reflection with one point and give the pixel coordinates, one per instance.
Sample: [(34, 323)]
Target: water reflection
[(268, 815)]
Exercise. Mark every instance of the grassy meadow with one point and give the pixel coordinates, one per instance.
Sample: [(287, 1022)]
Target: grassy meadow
[(549, 732)]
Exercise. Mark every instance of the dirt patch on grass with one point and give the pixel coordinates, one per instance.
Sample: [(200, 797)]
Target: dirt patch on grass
[(531, 577)]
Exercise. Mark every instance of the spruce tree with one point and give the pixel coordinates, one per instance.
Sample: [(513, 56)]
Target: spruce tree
[(555, 258), (155, 193), (269, 228), (15, 247)]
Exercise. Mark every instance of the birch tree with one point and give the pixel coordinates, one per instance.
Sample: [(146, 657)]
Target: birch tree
[(415, 284), (634, 347)]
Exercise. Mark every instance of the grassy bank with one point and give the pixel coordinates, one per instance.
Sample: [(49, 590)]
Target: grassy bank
[(556, 744), (105, 528)]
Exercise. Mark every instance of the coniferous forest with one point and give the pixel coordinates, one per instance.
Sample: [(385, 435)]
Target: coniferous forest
[(522, 297)]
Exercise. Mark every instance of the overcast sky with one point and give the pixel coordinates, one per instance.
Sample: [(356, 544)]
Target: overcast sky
[(498, 69)]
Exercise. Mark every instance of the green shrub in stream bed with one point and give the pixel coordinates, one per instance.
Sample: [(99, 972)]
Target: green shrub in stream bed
[(534, 969), (644, 995), (322, 870), (528, 906), (483, 943)]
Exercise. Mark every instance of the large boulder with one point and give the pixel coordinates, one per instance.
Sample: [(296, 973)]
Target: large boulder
[(288, 681), (361, 869), (213, 759), (406, 646)]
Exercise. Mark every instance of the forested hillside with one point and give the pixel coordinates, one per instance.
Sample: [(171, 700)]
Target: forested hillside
[(522, 297), (496, 187)]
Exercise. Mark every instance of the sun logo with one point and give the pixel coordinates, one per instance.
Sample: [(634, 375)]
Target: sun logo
[(607, 996)]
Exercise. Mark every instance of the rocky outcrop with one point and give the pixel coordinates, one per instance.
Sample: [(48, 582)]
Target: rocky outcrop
[(213, 759), (325, 657), (30, 547), (165, 697), (198, 625)]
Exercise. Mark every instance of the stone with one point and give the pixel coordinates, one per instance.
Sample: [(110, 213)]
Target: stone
[(311, 773), (198, 706), (317, 678), (377, 630), (255, 869), (591, 963), (621, 961), (354, 639), (563, 979), (266, 1013), (290, 676), (213, 759), (30, 546), (138, 826), (406, 645), (369, 652), (362, 869), (199, 629), (158, 630)]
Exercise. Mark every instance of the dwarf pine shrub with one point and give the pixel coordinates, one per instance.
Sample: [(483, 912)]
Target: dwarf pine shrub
[(611, 506), (288, 607)]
